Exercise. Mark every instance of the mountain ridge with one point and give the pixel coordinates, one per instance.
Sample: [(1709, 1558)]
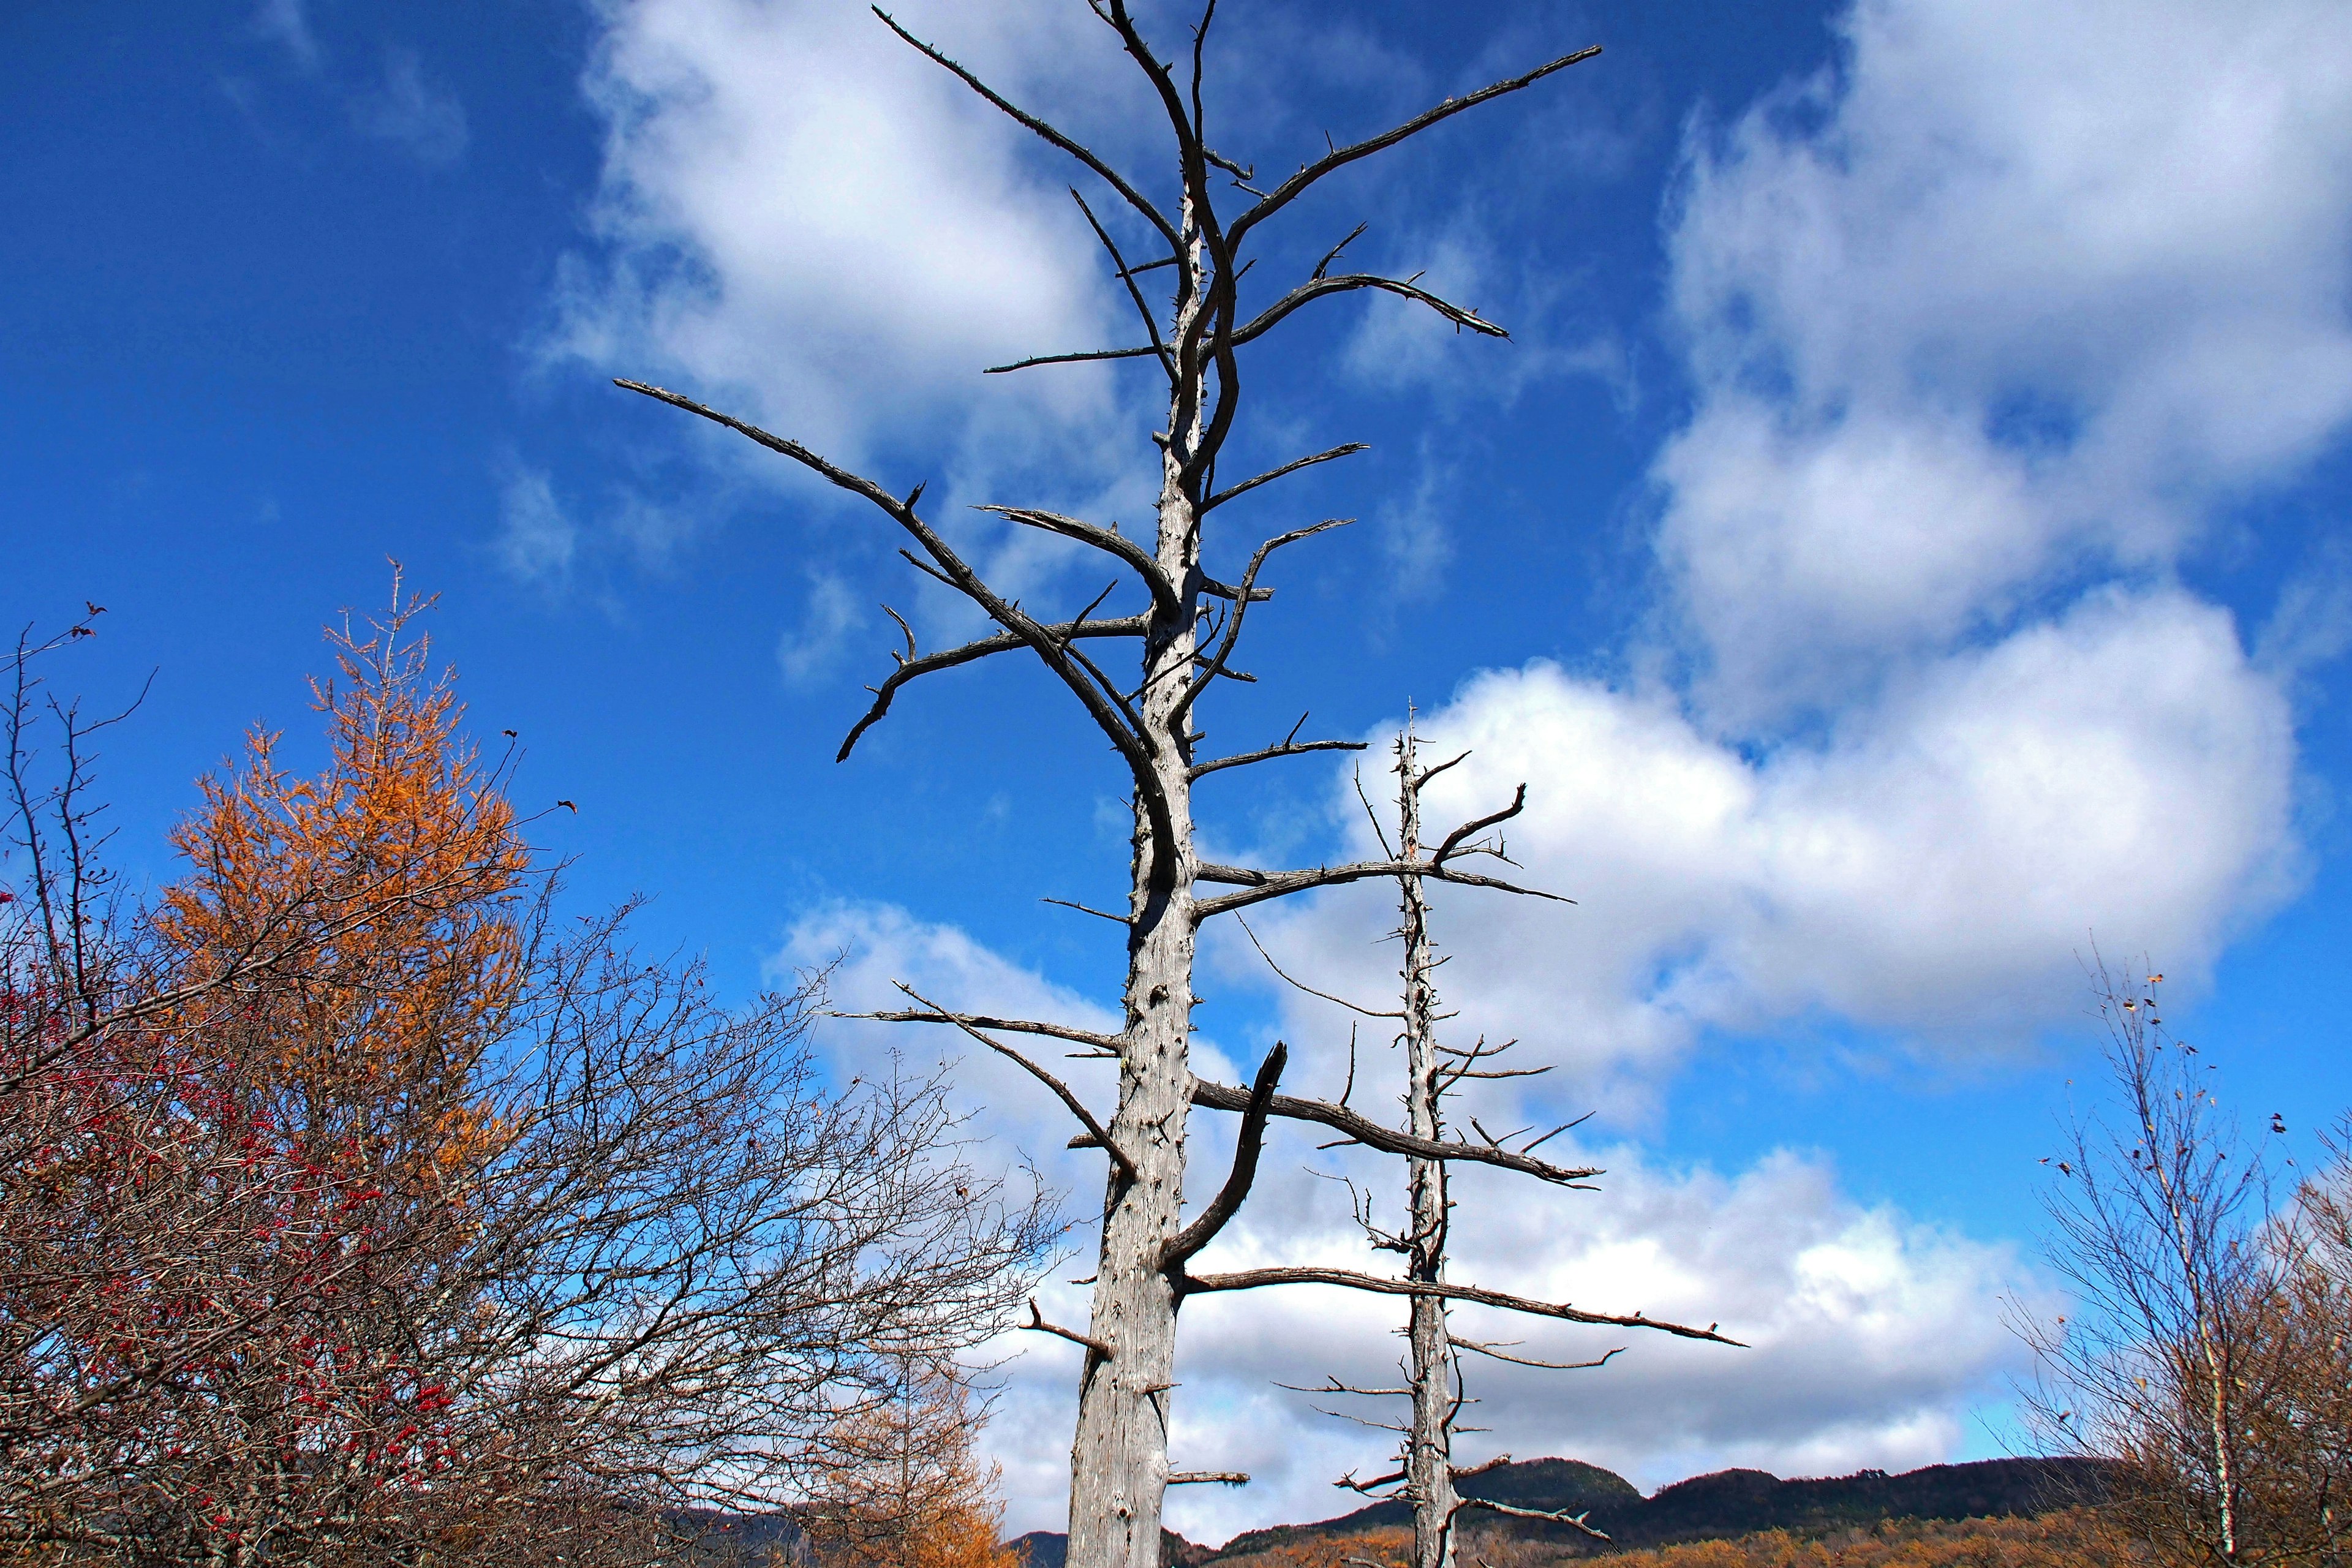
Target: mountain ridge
[(1718, 1506)]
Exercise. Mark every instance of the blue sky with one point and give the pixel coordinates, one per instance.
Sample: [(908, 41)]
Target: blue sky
[(1902, 541)]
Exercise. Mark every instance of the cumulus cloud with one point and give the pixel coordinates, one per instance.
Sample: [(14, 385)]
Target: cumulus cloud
[(2018, 291), (1865, 1329), (1926, 870), (800, 213)]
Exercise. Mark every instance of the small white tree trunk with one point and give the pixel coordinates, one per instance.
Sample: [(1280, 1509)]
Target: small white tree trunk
[(1429, 1446)]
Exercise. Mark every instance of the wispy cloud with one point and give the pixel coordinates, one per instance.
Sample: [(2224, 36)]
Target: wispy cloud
[(422, 117), (537, 539), (402, 106), (813, 646), (287, 24)]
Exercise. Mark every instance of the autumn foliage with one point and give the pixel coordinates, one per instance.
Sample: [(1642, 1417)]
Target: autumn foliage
[(351, 1210), (899, 1486)]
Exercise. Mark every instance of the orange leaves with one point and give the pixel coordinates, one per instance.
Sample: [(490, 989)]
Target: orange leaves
[(393, 878), (902, 1489)]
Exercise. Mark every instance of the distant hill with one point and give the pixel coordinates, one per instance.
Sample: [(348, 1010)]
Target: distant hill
[(1718, 1507), (1051, 1549)]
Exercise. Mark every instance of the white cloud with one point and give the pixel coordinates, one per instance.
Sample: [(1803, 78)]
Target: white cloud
[(1928, 870), (1866, 1330), (801, 213), (2024, 289)]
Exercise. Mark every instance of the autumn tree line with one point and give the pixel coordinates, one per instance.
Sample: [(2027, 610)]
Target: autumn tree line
[(363, 1202)]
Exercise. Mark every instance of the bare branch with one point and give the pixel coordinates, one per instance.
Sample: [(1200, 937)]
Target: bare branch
[(1078, 1107), (1208, 1477), (1135, 748), (1228, 1201), (1388, 1140), (1336, 1001), (1241, 600), (1038, 1324), (1575, 1521), (1518, 803), (912, 669), (1261, 886), (1287, 749), (1126, 276), (1283, 195), (1080, 356), (1485, 1350), (1232, 492), (1352, 282), (1107, 540), (981, 1021), (1084, 909), (1257, 1279), (1108, 175)]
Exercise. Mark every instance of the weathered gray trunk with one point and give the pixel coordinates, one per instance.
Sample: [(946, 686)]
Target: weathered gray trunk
[(1429, 1445), (1119, 1461)]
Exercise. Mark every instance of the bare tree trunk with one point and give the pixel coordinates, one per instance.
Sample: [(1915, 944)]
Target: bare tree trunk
[(1429, 1446), (1119, 1460)]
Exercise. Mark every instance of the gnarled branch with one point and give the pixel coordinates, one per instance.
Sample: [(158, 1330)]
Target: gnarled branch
[(1348, 283), (1204, 1227), (911, 668), (1230, 491), (1078, 1107), (1283, 195), (1260, 886), (1258, 1279), (1388, 1140)]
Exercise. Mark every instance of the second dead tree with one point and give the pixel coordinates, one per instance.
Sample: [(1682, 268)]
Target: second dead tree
[(1426, 1473)]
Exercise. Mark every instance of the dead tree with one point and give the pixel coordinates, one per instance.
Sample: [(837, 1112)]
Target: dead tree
[(1425, 1473), (1185, 632)]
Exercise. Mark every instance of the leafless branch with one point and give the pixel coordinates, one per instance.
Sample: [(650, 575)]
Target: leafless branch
[(1575, 1521), (1353, 282), (1498, 1355), (1388, 1140), (1261, 886), (1230, 492), (911, 667), (1518, 803), (1336, 1001), (1258, 1279), (1108, 175), (1203, 1229), (1078, 1107), (1038, 1324), (1076, 672), (1283, 195), (1110, 540)]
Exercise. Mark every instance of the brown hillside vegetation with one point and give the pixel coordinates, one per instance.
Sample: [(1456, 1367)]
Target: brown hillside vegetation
[(2064, 1540)]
